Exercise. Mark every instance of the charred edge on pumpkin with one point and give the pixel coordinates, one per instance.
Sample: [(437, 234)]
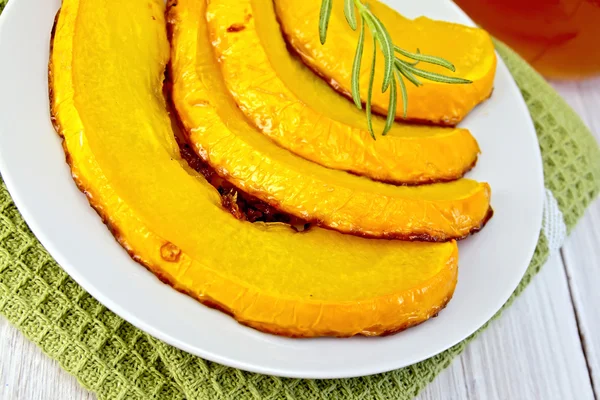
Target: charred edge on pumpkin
[(233, 197), (51, 78), (240, 204)]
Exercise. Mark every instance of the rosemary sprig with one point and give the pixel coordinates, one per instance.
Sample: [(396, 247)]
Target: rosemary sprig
[(395, 70)]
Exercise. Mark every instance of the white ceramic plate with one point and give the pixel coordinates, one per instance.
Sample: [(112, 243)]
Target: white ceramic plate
[(33, 166)]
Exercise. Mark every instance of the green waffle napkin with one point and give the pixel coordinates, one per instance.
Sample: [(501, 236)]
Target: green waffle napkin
[(118, 361)]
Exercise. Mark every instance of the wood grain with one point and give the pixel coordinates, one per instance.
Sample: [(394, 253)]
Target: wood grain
[(27, 374), (581, 253), (581, 256)]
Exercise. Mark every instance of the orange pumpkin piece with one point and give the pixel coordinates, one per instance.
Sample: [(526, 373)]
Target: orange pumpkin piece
[(106, 75), (300, 112), (469, 49), (220, 134)]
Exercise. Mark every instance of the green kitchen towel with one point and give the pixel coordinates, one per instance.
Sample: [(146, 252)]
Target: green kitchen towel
[(117, 361)]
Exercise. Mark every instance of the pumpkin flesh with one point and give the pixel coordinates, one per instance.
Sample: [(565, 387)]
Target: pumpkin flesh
[(300, 112), (469, 49), (220, 134), (106, 73)]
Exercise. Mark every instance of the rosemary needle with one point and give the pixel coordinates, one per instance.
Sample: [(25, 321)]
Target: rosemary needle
[(395, 69)]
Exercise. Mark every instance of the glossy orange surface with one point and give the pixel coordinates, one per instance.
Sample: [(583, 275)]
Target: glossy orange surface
[(300, 112), (469, 49), (124, 157)]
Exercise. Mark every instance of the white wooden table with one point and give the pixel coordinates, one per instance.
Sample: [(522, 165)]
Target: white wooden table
[(546, 346)]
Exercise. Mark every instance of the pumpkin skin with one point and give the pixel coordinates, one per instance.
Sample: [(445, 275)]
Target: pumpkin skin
[(106, 76), (220, 134), (301, 113), (469, 49)]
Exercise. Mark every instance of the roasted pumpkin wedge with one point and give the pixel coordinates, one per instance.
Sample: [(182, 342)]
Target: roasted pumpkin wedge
[(469, 49), (106, 73), (301, 113), (335, 199)]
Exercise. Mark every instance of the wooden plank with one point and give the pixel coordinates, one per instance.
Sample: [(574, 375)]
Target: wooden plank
[(28, 374), (584, 98), (581, 253), (532, 352), (582, 262)]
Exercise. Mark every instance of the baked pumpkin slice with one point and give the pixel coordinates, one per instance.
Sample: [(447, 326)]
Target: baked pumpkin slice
[(245, 157), (302, 113), (106, 84), (469, 49)]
